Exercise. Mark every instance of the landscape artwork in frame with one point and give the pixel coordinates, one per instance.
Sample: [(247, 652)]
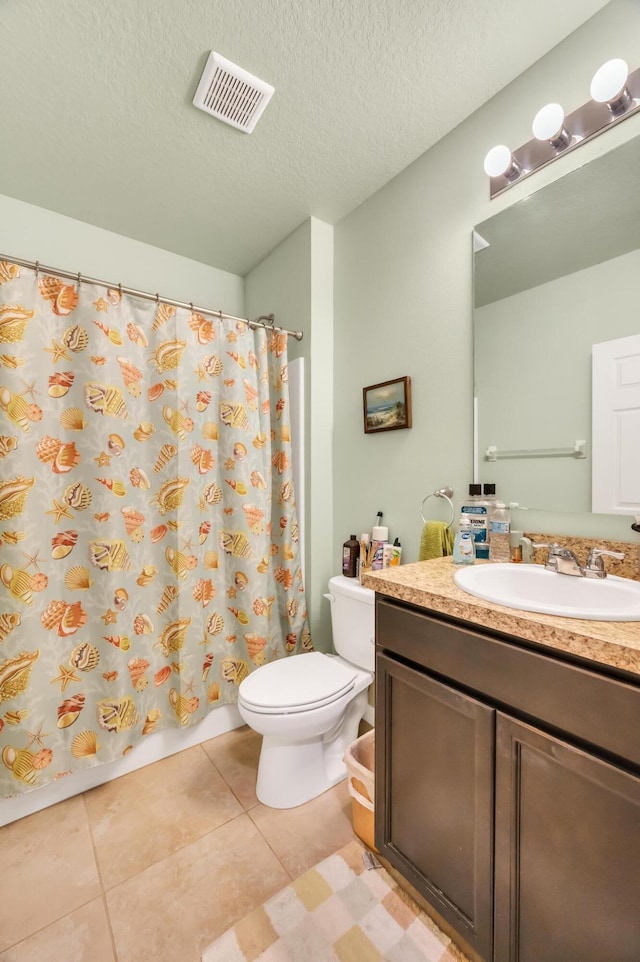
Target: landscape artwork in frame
[(387, 406)]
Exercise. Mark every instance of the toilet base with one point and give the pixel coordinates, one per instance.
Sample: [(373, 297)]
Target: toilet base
[(293, 772)]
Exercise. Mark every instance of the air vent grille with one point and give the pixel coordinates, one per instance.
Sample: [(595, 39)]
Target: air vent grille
[(231, 94)]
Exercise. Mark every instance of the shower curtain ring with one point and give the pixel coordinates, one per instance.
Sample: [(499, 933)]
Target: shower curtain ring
[(79, 279), (37, 268), (120, 288), (191, 306)]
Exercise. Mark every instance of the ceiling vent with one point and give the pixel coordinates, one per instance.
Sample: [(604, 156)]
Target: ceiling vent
[(231, 94)]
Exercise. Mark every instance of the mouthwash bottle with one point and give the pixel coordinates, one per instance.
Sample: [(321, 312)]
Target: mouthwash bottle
[(476, 511)]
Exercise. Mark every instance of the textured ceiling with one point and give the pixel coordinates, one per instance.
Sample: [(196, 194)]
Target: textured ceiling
[(96, 119)]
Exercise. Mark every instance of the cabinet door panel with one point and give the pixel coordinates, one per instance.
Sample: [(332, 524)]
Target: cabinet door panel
[(567, 852), (437, 827)]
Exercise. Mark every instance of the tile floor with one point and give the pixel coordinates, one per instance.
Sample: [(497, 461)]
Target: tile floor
[(153, 866)]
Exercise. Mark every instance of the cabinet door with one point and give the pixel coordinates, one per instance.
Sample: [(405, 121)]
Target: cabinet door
[(567, 852), (434, 795)]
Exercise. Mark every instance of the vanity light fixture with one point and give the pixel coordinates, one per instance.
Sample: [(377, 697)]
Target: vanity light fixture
[(548, 124), (609, 86), (615, 95), (500, 162)]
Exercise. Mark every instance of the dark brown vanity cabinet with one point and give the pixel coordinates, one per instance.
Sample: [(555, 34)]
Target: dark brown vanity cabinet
[(567, 852), (438, 810), (504, 794)]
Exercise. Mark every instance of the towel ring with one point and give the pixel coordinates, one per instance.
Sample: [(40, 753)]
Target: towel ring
[(445, 493)]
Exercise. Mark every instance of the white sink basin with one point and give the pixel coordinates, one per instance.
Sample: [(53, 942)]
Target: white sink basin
[(532, 588)]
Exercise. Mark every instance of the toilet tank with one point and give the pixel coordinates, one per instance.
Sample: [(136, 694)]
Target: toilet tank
[(353, 621)]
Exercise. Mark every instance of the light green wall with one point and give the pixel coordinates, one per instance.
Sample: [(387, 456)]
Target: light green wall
[(281, 285), (295, 282), (403, 302), (33, 233), (533, 377)]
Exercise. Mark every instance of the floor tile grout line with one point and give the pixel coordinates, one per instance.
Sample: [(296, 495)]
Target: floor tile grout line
[(51, 922), (221, 774), (91, 838), (81, 905), (103, 891), (247, 811), (175, 851), (107, 888), (208, 757), (270, 847)]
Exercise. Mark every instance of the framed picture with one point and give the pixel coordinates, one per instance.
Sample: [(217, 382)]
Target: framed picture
[(387, 406)]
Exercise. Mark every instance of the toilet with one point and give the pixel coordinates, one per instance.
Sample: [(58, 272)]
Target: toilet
[(308, 707)]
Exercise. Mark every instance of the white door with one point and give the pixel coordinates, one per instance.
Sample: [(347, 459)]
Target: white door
[(616, 426)]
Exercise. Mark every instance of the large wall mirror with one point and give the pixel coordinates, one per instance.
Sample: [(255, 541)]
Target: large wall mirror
[(561, 273)]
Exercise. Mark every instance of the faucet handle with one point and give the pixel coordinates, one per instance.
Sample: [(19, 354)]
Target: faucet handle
[(598, 552), (594, 558), (594, 567), (552, 561)]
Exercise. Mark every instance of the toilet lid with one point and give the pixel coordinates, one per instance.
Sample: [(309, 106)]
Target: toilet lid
[(297, 683)]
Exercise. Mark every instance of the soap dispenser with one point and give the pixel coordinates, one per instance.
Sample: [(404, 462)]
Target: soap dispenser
[(464, 549)]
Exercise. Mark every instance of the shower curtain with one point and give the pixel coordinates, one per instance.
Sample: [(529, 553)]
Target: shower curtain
[(148, 537)]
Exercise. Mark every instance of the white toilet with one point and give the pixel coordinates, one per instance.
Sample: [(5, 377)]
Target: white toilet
[(308, 707)]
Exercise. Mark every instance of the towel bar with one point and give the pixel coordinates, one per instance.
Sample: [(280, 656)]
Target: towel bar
[(579, 450), (447, 494)]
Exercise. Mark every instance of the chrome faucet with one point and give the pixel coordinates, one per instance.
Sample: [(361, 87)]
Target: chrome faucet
[(564, 561)]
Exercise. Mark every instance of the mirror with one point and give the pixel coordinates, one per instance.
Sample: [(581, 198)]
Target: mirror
[(561, 272)]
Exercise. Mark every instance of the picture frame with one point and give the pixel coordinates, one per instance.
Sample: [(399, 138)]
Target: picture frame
[(387, 406)]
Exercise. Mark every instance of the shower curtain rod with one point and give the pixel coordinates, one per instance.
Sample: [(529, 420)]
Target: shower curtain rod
[(265, 320)]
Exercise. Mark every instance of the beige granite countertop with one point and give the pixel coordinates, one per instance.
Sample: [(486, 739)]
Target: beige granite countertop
[(429, 584)]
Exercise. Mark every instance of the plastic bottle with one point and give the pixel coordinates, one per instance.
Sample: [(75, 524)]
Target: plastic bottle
[(476, 511), (350, 557), (379, 537), (392, 554), (499, 541), (464, 547), (490, 500)]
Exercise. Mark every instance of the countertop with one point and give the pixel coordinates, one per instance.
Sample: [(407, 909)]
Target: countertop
[(430, 585)]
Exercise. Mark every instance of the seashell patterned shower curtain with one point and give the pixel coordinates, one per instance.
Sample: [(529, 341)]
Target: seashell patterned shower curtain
[(148, 537)]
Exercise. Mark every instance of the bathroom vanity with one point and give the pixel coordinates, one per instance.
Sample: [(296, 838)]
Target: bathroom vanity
[(508, 769)]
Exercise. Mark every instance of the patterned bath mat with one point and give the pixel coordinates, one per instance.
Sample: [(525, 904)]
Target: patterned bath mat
[(338, 911)]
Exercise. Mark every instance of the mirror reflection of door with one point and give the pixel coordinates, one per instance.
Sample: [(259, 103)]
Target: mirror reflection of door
[(616, 426)]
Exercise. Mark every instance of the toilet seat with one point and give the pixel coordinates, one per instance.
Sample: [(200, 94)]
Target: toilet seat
[(297, 684)]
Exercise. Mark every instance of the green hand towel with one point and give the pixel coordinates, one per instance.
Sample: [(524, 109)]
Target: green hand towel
[(436, 541)]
